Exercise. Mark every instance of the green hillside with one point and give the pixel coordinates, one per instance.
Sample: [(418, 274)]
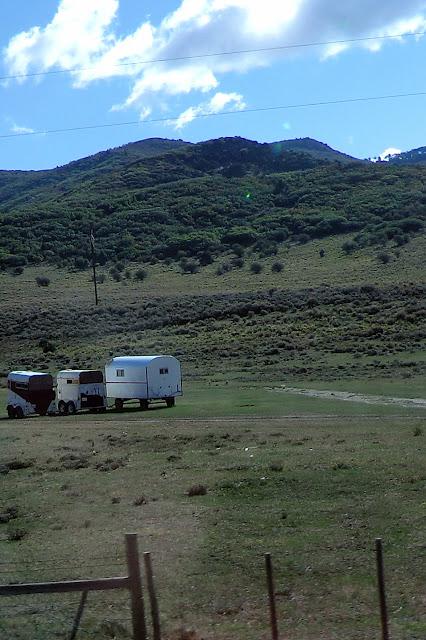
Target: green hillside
[(167, 200), (21, 186)]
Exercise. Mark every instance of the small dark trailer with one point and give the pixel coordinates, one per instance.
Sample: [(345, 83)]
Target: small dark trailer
[(28, 393)]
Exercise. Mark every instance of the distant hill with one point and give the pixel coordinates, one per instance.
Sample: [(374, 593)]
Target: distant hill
[(415, 156), (147, 163), (314, 148), (170, 200), (127, 153), (24, 183)]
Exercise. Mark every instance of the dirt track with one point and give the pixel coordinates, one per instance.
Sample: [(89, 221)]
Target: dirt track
[(348, 396)]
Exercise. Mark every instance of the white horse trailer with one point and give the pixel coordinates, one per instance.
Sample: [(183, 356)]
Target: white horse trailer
[(143, 378), (80, 389), (29, 392)]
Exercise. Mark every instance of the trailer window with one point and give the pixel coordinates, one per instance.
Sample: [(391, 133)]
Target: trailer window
[(21, 385), (91, 376), (69, 381), (164, 371), (120, 373)]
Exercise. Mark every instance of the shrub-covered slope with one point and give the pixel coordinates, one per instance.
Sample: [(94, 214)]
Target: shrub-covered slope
[(168, 200), (414, 156), (314, 148)]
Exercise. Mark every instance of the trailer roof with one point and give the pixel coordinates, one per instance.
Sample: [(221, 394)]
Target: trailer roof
[(136, 361), (69, 373), (25, 375)]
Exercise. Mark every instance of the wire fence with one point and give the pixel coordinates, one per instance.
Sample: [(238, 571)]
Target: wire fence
[(50, 607), (66, 608), (57, 621), (44, 616)]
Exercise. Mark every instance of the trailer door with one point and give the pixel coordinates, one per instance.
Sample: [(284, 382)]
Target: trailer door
[(164, 378)]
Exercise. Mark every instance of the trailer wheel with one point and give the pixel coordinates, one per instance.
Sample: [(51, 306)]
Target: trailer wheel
[(62, 408), (170, 402), (143, 404), (71, 408), (19, 413), (10, 411), (119, 404)]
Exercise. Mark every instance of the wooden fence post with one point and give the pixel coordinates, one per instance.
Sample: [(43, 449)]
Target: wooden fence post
[(382, 590), (271, 593), (135, 586), (152, 596)]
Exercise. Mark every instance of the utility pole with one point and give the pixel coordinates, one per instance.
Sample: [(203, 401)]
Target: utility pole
[(92, 247)]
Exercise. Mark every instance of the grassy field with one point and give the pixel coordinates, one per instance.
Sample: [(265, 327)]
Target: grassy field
[(223, 399), (314, 490)]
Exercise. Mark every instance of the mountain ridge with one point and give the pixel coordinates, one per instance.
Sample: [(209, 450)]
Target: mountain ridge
[(315, 148), (151, 147), (158, 199), (155, 146)]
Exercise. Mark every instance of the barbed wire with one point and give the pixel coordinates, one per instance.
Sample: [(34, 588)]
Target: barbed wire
[(58, 559)]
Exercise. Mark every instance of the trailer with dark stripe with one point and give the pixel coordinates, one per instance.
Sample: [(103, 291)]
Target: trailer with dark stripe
[(29, 393)]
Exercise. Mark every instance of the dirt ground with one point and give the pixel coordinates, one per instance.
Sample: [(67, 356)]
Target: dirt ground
[(348, 396)]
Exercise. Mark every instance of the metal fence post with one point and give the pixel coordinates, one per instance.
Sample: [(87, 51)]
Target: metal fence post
[(135, 586)]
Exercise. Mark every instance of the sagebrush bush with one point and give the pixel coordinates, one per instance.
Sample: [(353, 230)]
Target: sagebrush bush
[(256, 267), (42, 281), (383, 257), (197, 490), (140, 274)]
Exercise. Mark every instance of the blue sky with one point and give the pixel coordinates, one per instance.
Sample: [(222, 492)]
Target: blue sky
[(99, 38)]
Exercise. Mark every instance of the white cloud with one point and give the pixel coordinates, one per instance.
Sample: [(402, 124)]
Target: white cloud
[(218, 103), (145, 113), (116, 58), (173, 81), (15, 128), (185, 118), (81, 34), (221, 100), (389, 152), (77, 32)]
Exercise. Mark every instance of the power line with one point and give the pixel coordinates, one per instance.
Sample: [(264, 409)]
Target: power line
[(199, 56), (109, 125)]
